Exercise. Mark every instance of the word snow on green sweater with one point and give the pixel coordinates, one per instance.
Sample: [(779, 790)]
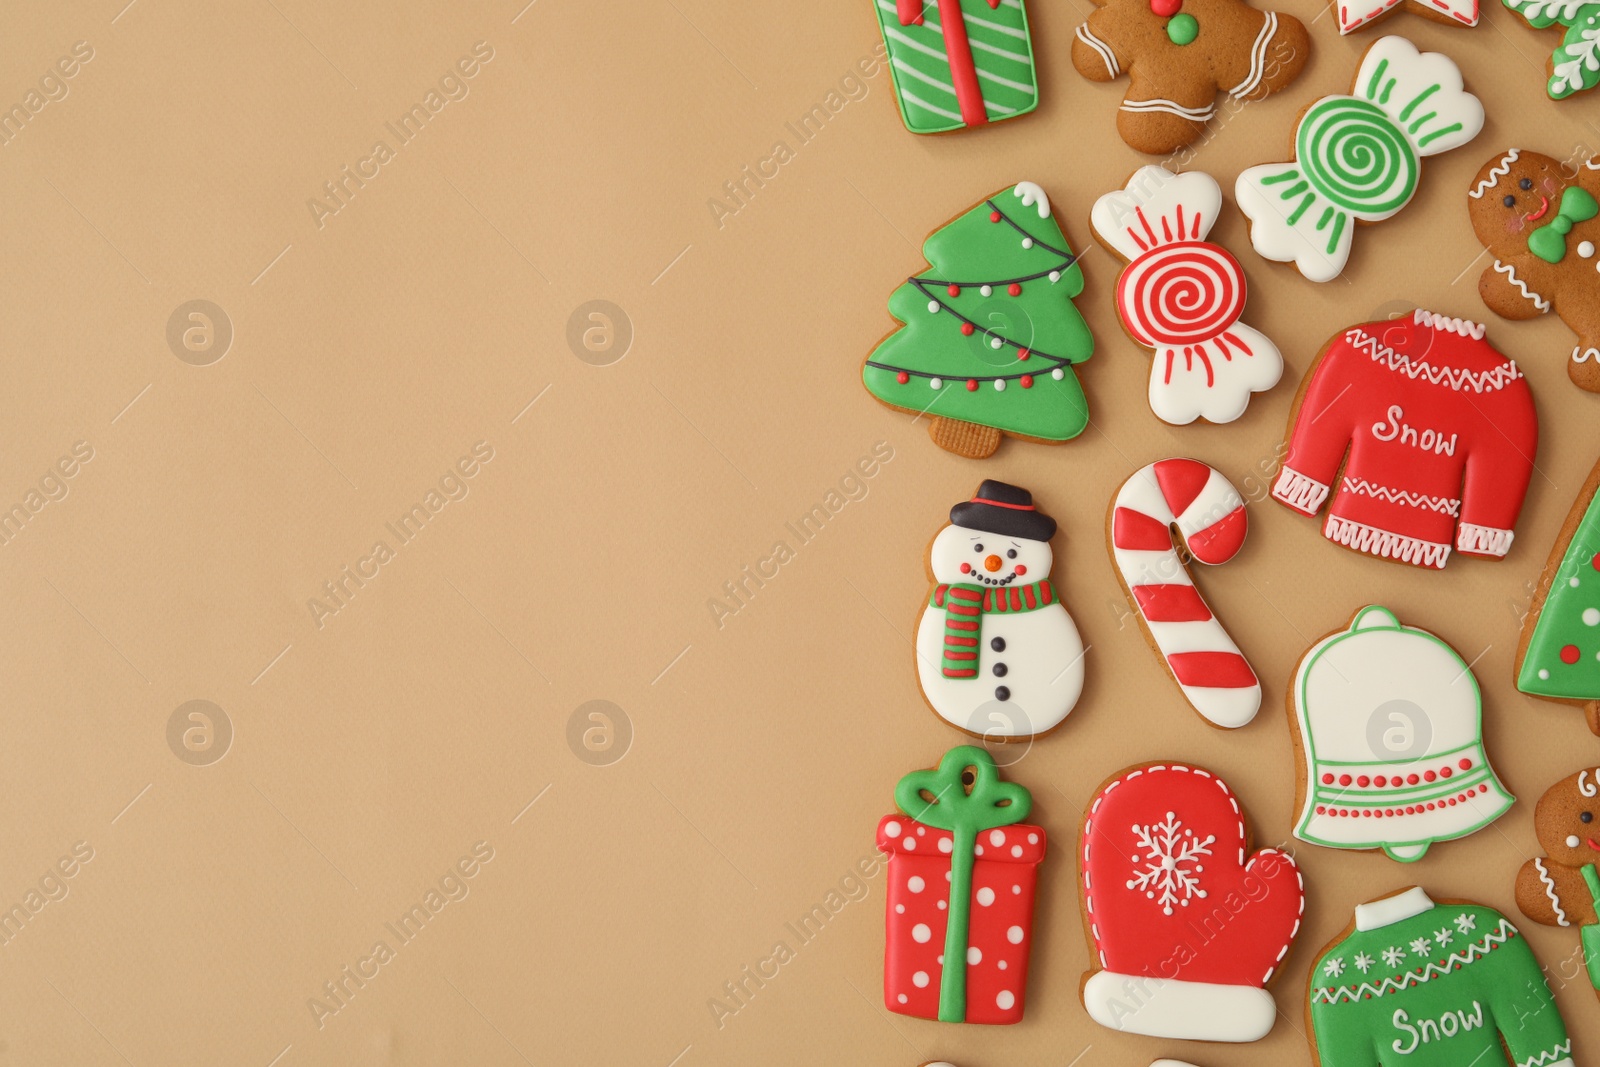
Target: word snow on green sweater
[(1433, 985)]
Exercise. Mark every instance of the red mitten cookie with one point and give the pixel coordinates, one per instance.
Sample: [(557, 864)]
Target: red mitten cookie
[(1540, 223), (1187, 927), (1179, 54)]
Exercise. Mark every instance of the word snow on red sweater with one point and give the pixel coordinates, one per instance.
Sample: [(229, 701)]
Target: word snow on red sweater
[(1441, 435)]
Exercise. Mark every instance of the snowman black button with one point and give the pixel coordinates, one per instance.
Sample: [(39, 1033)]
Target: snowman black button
[(999, 670), (1002, 693), (998, 644)]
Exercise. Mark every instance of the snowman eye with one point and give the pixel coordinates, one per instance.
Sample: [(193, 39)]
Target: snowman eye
[(977, 548), (1510, 201), (1526, 183), (1011, 553)]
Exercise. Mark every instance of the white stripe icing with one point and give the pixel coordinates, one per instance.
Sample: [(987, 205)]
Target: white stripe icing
[(1496, 172), (1522, 287), (1550, 892), (1101, 47), (1258, 58), (1170, 107)]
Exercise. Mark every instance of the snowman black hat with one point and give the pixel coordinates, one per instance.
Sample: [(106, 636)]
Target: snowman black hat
[(1004, 509)]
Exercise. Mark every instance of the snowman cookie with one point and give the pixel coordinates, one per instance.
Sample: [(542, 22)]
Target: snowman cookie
[(997, 654), (1186, 926), (1390, 724), (1182, 296), (1562, 887), (1540, 224)]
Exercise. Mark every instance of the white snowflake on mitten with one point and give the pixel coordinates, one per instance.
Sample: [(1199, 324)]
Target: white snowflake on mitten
[(1170, 851), (1442, 936), (1394, 955), (1334, 968), (1422, 946), (1466, 923), (1364, 962)]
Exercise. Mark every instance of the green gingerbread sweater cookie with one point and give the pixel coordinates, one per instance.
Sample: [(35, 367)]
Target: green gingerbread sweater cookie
[(1433, 985)]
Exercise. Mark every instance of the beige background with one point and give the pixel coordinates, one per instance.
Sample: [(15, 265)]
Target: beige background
[(372, 752)]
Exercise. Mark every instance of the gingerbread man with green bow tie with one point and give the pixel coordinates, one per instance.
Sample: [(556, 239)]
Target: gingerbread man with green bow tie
[(1538, 218)]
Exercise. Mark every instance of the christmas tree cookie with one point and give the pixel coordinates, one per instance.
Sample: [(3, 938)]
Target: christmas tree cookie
[(1559, 656), (1562, 887), (1390, 723), (989, 333), (962, 867), (1425, 984), (958, 63), (1575, 64)]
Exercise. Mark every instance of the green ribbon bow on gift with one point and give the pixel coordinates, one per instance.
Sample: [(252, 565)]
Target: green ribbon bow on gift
[(941, 798), (1549, 242)]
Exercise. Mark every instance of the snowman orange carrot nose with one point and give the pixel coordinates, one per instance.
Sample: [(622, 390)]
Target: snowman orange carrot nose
[(991, 563)]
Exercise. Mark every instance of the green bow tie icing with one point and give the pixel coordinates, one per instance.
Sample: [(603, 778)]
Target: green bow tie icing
[(1358, 157), (1549, 242), (941, 799), (1575, 64)]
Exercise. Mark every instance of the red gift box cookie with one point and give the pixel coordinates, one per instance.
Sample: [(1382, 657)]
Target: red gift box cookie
[(1186, 926), (960, 892)]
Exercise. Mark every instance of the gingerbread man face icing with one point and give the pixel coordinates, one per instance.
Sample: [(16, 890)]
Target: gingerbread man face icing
[(1562, 887), (1575, 64), (1179, 54), (1538, 218)]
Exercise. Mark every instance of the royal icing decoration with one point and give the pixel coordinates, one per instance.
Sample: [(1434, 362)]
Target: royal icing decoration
[(1391, 741), (1440, 432), (1186, 926), (1563, 888), (1179, 54), (1357, 157), (1575, 64), (1355, 14), (962, 867), (1559, 655), (1182, 296), (1433, 985), (989, 332), (958, 63), (1540, 220), (1210, 517), (997, 654)]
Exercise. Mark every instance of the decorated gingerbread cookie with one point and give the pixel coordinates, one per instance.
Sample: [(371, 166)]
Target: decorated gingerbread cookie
[(1182, 296), (1390, 728), (1562, 887), (1425, 984), (989, 333), (1179, 54), (1209, 515), (997, 654), (1539, 223), (1430, 432), (1185, 925), (1358, 14), (956, 64), (1575, 64), (962, 867), (1558, 657), (1358, 157)]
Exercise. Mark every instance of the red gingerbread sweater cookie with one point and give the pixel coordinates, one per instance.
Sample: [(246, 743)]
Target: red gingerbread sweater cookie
[(1441, 434), (1179, 54), (1539, 222)]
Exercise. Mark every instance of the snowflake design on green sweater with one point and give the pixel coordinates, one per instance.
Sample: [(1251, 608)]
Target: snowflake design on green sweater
[(1394, 956), (1443, 936), (1334, 968), (1575, 64), (1466, 923), (1363, 962), (1422, 946)]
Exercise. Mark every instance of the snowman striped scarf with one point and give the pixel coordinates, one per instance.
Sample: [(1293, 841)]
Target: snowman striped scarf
[(964, 607)]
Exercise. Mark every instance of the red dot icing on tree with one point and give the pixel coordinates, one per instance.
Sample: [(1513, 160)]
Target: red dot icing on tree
[(955, 290), (1027, 381), (1014, 289), (966, 329), (902, 377), (1569, 654), (972, 385)]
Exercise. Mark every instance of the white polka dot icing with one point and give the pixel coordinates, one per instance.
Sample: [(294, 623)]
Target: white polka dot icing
[(915, 884), (984, 896), (921, 934), (920, 979), (1005, 1000), (1014, 935), (892, 829), (997, 837)]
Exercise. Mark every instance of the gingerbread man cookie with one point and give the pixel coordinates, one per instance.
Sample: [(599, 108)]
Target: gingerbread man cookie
[(1539, 222), (1179, 54), (1562, 887)]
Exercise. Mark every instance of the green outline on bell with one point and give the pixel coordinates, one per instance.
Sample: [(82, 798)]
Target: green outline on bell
[(1441, 790)]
